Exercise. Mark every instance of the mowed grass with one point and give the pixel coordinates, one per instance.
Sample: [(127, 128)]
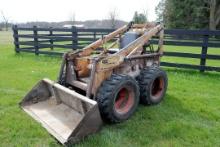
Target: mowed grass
[(193, 50), (188, 116)]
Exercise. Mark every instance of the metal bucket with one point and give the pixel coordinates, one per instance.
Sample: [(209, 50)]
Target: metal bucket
[(67, 115)]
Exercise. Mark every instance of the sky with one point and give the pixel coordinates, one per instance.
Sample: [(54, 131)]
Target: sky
[(18, 11)]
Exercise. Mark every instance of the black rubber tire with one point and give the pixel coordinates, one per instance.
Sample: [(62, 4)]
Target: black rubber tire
[(107, 93), (146, 81)]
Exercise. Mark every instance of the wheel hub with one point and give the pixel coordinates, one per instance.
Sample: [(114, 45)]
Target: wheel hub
[(157, 87), (124, 101)]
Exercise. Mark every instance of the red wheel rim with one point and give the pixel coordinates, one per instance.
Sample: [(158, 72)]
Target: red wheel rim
[(124, 101), (157, 87)]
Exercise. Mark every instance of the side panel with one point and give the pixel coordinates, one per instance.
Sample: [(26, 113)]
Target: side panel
[(99, 78)]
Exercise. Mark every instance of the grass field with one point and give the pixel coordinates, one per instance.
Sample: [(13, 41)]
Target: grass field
[(189, 115)]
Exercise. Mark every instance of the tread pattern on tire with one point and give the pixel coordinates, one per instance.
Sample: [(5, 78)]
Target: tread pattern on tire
[(105, 96), (144, 79)]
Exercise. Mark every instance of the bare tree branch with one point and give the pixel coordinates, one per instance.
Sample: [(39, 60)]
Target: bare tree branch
[(145, 12), (212, 24), (72, 18), (217, 15), (113, 18), (5, 20)]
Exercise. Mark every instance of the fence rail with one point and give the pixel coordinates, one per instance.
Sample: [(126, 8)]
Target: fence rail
[(36, 39), (56, 41)]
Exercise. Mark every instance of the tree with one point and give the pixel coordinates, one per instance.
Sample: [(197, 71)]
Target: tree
[(5, 20), (140, 17), (160, 11), (113, 18), (145, 13), (214, 14), (189, 14), (72, 18)]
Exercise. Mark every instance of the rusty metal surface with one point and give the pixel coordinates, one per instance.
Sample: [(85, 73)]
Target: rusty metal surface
[(143, 56), (92, 76), (70, 116), (65, 114)]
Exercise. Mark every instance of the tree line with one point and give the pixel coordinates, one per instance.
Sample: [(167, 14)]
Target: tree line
[(189, 14)]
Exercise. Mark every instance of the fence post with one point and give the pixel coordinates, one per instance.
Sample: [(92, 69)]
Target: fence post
[(94, 36), (204, 52), (16, 40), (51, 40), (74, 38), (36, 40)]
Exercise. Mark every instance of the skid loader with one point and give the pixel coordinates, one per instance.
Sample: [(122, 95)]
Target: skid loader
[(102, 82)]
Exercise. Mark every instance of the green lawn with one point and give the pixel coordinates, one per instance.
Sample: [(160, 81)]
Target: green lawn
[(194, 50), (189, 115)]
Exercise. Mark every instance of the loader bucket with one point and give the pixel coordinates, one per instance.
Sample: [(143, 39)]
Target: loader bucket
[(66, 114)]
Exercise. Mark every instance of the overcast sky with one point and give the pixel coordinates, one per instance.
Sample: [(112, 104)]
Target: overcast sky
[(61, 10)]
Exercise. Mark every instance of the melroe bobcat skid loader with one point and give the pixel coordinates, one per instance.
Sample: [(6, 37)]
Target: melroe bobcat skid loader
[(103, 81)]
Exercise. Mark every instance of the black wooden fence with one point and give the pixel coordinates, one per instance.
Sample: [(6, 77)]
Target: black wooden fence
[(56, 41), (39, 40), (204, 39)]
